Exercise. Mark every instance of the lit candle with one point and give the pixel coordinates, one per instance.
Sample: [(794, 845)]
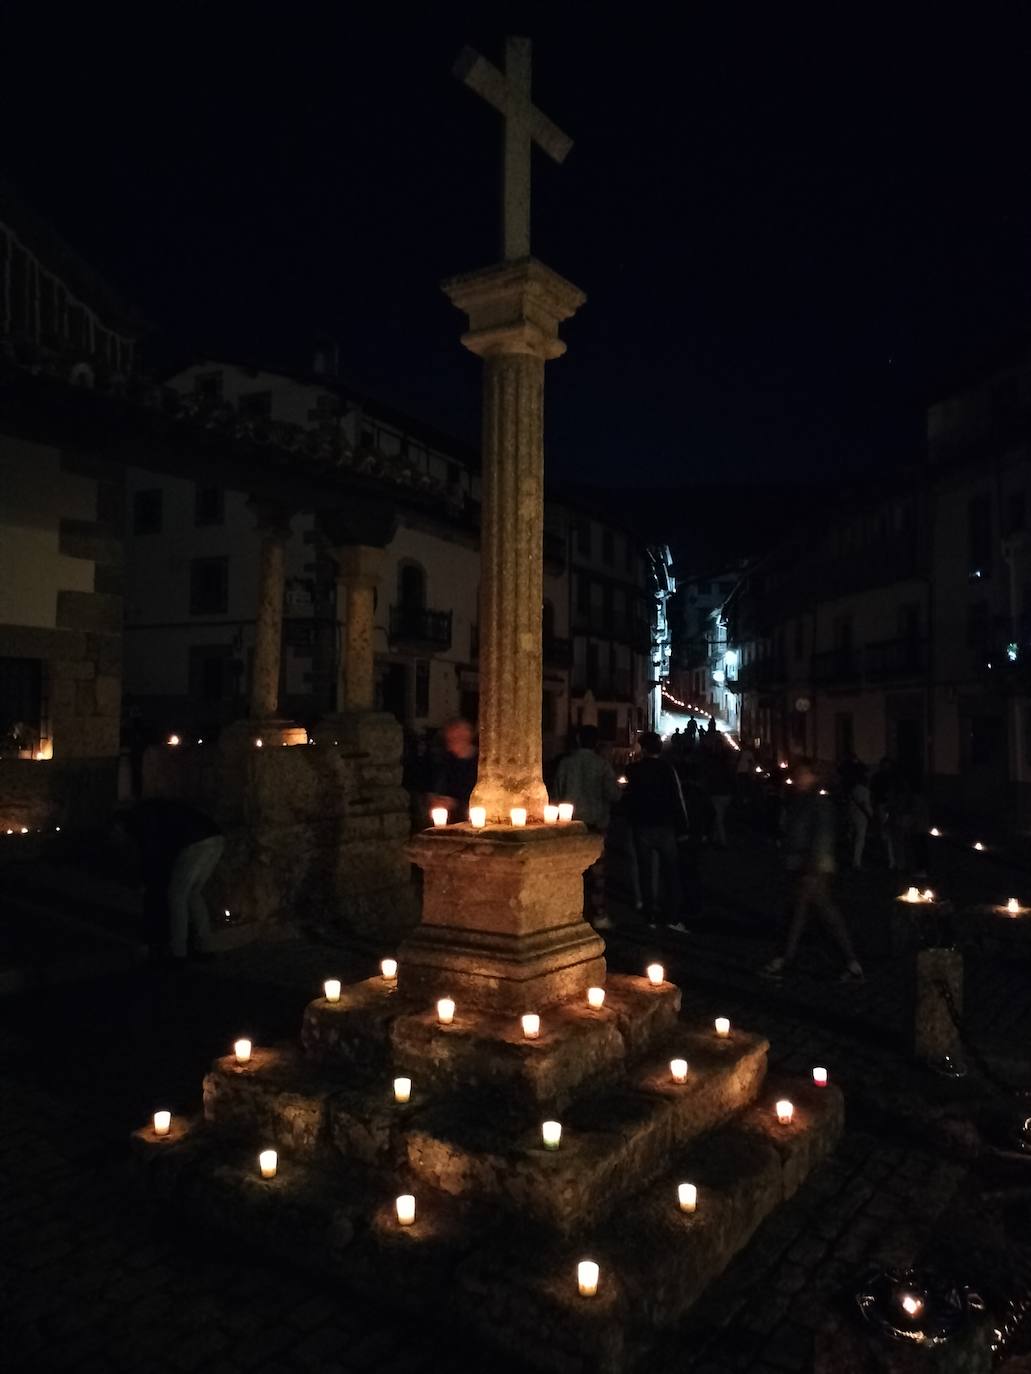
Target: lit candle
[(678, 1068), (687, 1196), (402, 1089), (622, 779), (912, 894), (242, 1049), (445, 1011), (551, 1134), (978, 845), (478, 816), (935, 831), (565, 811), (332, 989), (518, 814), (267, 1161), (596, 998), (785, 1111), (173, 740), (550, 815), (911, 1305), (388, 968), (820, 1077), (162, 1123), (531, 1025), (587, 1274), (258, 743), (927, 895), (405, 1205), (656, 975), (439, 816), (722, 1025), (1013, 906)]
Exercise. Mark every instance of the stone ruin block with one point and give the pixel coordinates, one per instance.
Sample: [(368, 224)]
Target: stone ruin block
[(353, 1033), (276, 1097)]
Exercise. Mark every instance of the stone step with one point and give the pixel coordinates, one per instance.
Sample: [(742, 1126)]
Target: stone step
[(278, 1097), (516, 1286)]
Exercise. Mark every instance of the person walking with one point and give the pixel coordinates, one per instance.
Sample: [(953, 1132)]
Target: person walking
[(883, 798), (454, 771), (691, 733), (179, 849), (584, 778), (809, 859), (655, 804), (860, 813)]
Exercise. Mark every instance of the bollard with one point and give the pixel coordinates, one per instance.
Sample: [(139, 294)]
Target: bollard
[(936, 1038)]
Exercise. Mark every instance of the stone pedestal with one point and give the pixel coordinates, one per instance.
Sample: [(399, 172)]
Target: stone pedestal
[(939, 981), (502, 924)]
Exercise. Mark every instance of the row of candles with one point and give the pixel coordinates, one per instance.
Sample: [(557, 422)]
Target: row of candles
[(914, 895), (518, 814)]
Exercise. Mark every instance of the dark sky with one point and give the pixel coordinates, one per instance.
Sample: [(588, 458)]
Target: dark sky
[(785, 228)]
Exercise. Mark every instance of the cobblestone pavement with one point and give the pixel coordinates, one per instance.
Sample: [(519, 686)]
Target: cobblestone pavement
[(94, 1280)]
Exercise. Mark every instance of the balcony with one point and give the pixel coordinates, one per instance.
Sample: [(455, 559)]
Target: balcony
[(557, 653), (420, 628), (760, 675), (836, 666), (896, 658)]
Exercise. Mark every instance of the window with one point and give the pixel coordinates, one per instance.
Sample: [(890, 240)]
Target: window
[(146, 512), (583, 593), (608, 723), (208, 386), (799, 637), (1016, 512), (608, 547), (422, 688), (548, 622), (411, 586), (209, 586), (843, 736), (209, 506), (979, 535), (582, 533), (255, 405)]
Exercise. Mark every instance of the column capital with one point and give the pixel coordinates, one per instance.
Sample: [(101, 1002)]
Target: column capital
[(514, 307), (360, 565)]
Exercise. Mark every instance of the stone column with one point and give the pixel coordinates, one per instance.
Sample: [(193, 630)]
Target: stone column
[(358, 574), (514, 312)]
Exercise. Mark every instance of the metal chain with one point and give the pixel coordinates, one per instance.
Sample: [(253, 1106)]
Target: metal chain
[(975, 1054)]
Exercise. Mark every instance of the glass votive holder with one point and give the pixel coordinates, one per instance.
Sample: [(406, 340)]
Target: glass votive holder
[(331, 987)]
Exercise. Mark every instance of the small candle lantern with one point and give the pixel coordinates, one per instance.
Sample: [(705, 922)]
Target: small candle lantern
[(331, 987), (439, 816), (927, 895), (912, 1306), (785, 1112), (531, 1026), (565, 811), (173, 740), (935, 832), (596, 998), (550, 815), (518, 814), (242, 1050), (587, 1274), (268, 1161), (687, 1196), (678, 1070), (656, 975), (388, 968), (551, 1134), (405, 1205), (622, 780), (1013, 907), (978, 846), (478, 816), (162, 1123), (722, 1026), (258, 743), (445, 1011), (402, 1089), (911, 894), (820, 1077)]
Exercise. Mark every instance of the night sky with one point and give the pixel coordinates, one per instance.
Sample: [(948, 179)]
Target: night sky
[(787, 231)]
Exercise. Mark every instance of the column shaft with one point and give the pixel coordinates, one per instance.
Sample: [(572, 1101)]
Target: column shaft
[(356, 689), (268, 638)]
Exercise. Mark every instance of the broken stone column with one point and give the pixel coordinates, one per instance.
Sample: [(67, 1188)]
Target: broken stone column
[(939, 981)]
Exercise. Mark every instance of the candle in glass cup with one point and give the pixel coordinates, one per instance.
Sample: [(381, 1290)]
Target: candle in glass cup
[(656, 975), (565, 811), (445, 1011), (587, 1274), (478, 816), (820, 1077), (402, 1089), (162, 1123), (531, 1025), (1013, 906), (596, 998), (331, 987), (242, 1050), (722, 1025), (518, 815), (678, 1070), (911, 1305), (267, 1162), (439, 816), (687, 1196), (785, 1111), (551, 1134), (388, 968), (405, 1205), (550, 815)]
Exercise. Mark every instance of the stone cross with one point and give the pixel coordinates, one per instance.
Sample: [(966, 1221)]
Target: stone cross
[(509, 93)]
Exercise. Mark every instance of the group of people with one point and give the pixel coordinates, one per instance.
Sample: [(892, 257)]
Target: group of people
[(886, 802)]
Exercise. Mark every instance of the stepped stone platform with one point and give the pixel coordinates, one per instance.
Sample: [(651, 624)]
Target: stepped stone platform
[(501, 1222)]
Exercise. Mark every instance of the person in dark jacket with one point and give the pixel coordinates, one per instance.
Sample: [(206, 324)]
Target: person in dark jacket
[(454, 773), (179, 848), (808, 847), (655, 806)]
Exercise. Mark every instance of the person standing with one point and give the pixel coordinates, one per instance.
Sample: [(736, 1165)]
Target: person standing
[(809, 859), (691, 734), (454, 772), (883, 798), (584, 778), (860, 813), (655, 804)]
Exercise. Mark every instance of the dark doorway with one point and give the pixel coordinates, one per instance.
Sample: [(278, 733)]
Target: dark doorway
[(394, 691)]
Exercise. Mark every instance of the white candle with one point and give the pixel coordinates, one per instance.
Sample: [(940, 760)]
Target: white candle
[(242, 1049), (162, 1123), (935, 831), (687, 1196), (388, 968), (912, 894), (565, 811), (1013, 906), (531, 1025), (258, 743), (911, 1305), (550, 815), (927, 895), (445, 1011), (518, 814), (820, 1077), (587, 1274), (678, 1068), (402, 1089), (722, 1025), (551, 1134), (478, 816), (405, 1205), (439, 815), (173, 740), (978, 845), (656, 975), (332, 989), (785, 1111), (596, 998), (267, 1161)]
